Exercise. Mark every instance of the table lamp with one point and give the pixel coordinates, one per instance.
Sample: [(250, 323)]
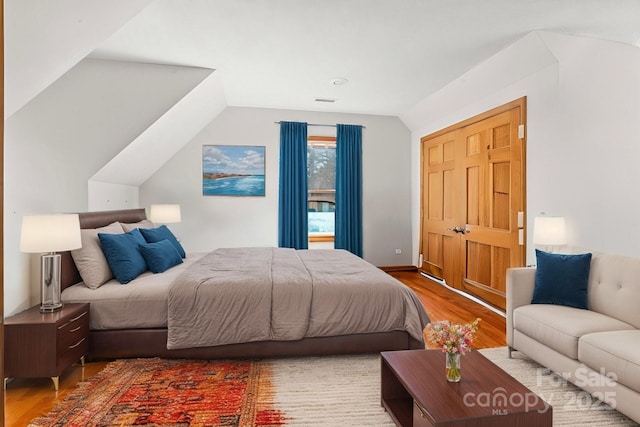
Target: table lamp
[(165, 214), (549, 231), (48, 234)]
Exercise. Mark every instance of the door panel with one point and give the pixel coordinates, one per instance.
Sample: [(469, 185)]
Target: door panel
[(501, 173), (451, 245), (492, 245), (439, 207), (473, 196), (473, 189)]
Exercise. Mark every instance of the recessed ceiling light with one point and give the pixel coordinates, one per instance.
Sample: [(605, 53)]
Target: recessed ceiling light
[(339, 81)]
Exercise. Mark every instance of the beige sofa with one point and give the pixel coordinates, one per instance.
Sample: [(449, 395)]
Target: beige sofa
[(597, 349)]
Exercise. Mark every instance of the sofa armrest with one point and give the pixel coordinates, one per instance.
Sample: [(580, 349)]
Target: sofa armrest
[(520, 285)]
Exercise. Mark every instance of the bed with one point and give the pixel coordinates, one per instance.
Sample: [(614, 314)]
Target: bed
[(243, 303)]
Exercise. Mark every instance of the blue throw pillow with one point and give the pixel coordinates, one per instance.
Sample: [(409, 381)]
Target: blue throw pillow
[(153, 235), (160, 256), (562, 279), (122, 254)]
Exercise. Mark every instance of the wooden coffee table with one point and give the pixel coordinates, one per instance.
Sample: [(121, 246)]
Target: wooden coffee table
[(415, 392)]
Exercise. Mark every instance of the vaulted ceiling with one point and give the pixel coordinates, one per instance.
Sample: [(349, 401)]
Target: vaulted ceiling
[(287, 53), (364, 56)]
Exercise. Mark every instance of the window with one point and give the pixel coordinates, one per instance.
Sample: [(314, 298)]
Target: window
[(321, 185)]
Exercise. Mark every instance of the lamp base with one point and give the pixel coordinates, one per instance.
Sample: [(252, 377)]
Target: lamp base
[(49, 308), (50, 283)]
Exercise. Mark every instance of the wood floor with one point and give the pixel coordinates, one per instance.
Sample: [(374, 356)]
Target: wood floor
[(442, 303), (26, 399)]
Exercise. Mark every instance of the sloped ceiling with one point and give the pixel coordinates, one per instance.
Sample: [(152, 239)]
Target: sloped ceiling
[(284, 53), (164, 138), (49, 46), (94, 112), (45, 38)]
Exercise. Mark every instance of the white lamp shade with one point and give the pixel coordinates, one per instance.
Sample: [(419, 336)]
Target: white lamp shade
[(549, 230), (165, 214), (50, 233)]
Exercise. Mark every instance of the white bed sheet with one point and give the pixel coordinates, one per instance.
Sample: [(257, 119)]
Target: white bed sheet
[(141, 303)]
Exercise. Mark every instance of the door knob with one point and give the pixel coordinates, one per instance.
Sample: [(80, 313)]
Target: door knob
[(458, 229)]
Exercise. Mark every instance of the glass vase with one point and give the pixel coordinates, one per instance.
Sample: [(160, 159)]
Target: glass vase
[(453, 367)]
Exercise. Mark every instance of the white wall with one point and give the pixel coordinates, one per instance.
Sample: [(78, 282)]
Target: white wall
[(583, 110), (103, 196), (214, 221), (599, 143)]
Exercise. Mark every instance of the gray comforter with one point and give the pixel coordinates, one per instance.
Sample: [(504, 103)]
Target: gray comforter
[(240, 295)]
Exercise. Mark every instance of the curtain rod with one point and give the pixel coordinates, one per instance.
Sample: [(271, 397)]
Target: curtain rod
[(331, 126)]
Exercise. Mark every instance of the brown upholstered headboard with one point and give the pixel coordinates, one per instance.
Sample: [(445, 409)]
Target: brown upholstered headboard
[(69, 273)]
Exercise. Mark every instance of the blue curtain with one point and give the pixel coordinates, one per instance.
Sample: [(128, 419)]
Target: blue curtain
[(348, 232), (292, 203)]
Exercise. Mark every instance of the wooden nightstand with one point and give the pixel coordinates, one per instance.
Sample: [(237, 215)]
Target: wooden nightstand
[(45, 344)]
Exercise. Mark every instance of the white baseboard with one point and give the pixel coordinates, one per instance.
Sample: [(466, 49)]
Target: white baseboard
[(465, 294)]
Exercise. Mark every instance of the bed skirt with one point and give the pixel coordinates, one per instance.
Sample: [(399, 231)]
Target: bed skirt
[(115, 344)]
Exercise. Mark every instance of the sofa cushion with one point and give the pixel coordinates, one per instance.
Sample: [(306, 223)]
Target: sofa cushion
[(614, 288), (562, 279), (559, 327), (616, 352)]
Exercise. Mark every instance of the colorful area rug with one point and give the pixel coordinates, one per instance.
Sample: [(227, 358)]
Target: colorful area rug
[(315, 391), (160, 392)]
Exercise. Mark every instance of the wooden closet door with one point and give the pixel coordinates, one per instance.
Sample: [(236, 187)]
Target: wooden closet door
[(493, 194), (441, 203), (473, 188)]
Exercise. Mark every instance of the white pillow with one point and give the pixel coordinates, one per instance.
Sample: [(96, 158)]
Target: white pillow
[(145, 223), (90, 260)]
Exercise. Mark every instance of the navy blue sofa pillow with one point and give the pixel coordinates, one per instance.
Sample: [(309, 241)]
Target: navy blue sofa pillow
[(153, 235), (160, 256), (122, 254), (562, 279)]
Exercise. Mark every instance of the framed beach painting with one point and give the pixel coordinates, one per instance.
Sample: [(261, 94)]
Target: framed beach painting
[(233, 170)]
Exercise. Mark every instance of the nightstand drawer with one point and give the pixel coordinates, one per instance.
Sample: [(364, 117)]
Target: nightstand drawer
[(71, 333), (73, 352)]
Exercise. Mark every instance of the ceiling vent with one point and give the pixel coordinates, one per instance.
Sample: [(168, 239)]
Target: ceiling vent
[(329, 100)]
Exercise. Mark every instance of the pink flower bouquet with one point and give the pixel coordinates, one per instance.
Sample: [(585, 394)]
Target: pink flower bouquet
[(451, 337)]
